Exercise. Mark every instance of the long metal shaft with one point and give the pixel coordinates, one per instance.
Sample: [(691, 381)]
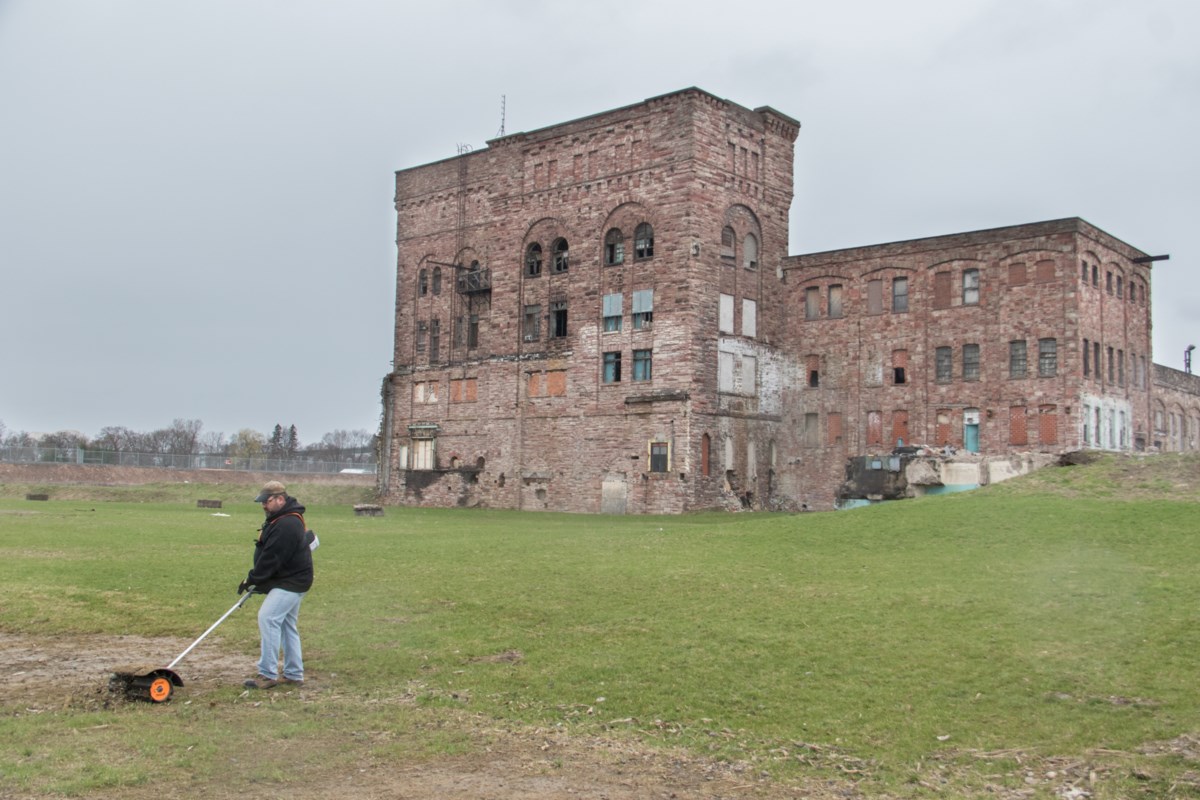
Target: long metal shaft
[(211, 628)]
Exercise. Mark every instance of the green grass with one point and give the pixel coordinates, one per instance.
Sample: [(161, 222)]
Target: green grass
[(1023, 618)]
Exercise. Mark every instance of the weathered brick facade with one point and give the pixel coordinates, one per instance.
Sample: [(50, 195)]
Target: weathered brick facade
[(601, 316)]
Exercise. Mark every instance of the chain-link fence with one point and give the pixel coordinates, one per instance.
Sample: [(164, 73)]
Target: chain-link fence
[(362, 464)]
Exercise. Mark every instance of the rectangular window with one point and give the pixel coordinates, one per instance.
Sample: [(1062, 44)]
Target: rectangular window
[(1016, 274), (464, 390), (558, 315), (812, 303), (726, 314), (1047, 358), (613, 311), (970, 288), (660, 457), (900, 427), (811, 434), (834, 422), (1120, 368), (1087, 358), (749, 375), (874, 428), (422, 453), (435, 338), (556, 383), (875, 296), (899, 366), (1018, 364), (899, 295), (941, 289), (749, 318), (1045, 272), (1111, 365), (1018, 432), (1108, 282), (612, 367), (643, 308), (724, 371), (944, 364), (642, 365), (473, 332), (532, 328), (813, 363), (945, 427), (970, 355), (422, 332), (835, 301)]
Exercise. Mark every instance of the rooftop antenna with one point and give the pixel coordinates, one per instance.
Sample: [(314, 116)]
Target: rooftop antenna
[(503, 102), (1187, 359)]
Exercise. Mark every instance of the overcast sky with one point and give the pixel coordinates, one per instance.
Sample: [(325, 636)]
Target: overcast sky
[(196, 195)]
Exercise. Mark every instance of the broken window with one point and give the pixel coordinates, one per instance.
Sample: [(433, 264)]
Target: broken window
[(423, 282), (614, 248), (1120, 367), (728, 238), (813, 363), (1111, 365), (558, 315), (1084, 271), (899, 295), (437, 280), (613, 311), (643, 242), (643, 308), (970, 355), (422, 332), (642, 365), (945, 427), (970, 288), (532, 326), (899, 366), (1087, 358), (612, 367), (473, 331), (1017, 359), (1047, 358), (435, 338), (561, 255), (944, 364), (533, 260)]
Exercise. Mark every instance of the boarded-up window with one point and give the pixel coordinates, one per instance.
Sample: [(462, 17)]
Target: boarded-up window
[(835, 301), (1045, 272), (534, 388), (900, 427), (728, 237), (1016, 274), (812, 303), (725, 371), (813, 364), (422, 453), (463, 390), (941, 290), (875, 296), (750, 252), (749, 375), (1018, 433), (833, 423), (726, 314), (812, 435), (874, 428), (749, 318), (945, 428), (1048, 424), (556, 383)]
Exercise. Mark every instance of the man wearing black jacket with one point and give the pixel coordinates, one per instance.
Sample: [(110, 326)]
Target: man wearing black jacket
[(283, 571)]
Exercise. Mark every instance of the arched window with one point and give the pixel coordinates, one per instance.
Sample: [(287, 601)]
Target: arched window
[(423, 283), (560, 255), (750, 252), (614, 248), (643, 242), (437, 280), (533, 260), (705, 447)]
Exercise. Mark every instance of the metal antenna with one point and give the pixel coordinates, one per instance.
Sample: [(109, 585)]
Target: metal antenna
[(503, 103)]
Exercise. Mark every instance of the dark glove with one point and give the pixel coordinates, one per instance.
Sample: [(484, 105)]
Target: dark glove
[(243, 586)]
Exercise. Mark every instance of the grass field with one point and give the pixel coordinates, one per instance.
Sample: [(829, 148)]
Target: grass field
[(1033, 639)]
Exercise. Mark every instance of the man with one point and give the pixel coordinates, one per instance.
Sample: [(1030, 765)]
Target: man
[(283, 571)]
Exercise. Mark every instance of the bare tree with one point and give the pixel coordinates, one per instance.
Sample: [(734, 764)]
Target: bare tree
[(116, 438)]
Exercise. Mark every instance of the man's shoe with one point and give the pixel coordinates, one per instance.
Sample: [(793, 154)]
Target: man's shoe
[(292, 682), (261, 683)]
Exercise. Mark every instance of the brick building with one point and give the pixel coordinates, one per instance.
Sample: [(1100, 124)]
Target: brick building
[(601, 316)]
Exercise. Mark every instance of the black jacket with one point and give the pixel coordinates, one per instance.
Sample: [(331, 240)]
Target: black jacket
[(282, 557)]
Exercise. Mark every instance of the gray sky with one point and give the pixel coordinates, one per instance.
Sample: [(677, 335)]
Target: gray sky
[(196, 197)]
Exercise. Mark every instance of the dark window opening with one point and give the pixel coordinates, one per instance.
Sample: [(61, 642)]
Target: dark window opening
[(614, 248), (560, 255), (533, 260), (558, 311), (643, 241)]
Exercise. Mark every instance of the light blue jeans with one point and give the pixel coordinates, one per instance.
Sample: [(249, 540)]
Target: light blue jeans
[(277, 627)]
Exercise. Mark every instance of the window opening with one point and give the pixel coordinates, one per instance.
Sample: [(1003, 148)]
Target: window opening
[(561, 259), (642, 365), (1047, 358), (643, 309), (1017, 359), (899, 366), (941, 290), (423, 282), (612, 367), (532, 328), (835, 301), (749, 318), (875, 296), (437, 280), (643, 242), (613, 311), (728, 237), (812, 302), (725, 314), (944, 369), (970, 296), (558, 311), (899, 295), (659, 457), (614, 248), (533, 260), (970, 354), (435, 338), (750, 252)]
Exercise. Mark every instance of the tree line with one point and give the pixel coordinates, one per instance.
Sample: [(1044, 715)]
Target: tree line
[(187, 437)]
